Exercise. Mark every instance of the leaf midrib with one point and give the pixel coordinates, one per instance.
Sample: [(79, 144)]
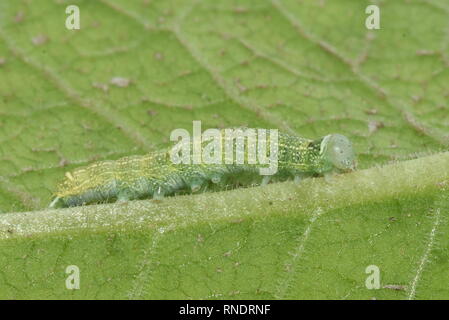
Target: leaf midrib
[(413, 177)]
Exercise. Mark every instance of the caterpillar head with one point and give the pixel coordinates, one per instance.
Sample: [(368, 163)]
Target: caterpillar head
[(337, 149)]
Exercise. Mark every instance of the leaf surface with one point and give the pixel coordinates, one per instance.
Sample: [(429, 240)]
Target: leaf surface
[(137, 70)]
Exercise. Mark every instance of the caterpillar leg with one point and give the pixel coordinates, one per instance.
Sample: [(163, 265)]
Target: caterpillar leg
[(297, 179), (265, 180), (196, 185), (159, 194), (216, 179), (56, 203), (122, 198), (125, 196)]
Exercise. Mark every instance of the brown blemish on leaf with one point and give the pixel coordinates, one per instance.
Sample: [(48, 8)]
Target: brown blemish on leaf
[(240, 10), (120, 82), (159, 56), (396, 287), (371, 111), (425, 52), (95, 24), (40, 39), (102, 86), (373, 126), (19, 17)]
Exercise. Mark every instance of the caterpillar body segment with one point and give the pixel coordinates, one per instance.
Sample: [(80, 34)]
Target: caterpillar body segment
[(156, 176)]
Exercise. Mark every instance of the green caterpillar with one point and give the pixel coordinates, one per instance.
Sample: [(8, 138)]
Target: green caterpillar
[(155, 176)]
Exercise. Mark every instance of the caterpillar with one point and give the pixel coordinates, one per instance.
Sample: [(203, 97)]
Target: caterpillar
[(154, 175)]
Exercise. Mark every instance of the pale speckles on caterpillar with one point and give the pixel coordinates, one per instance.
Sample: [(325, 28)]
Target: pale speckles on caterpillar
[(154, 175)]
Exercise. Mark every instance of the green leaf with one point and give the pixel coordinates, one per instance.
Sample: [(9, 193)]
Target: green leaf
[(137, 70)]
